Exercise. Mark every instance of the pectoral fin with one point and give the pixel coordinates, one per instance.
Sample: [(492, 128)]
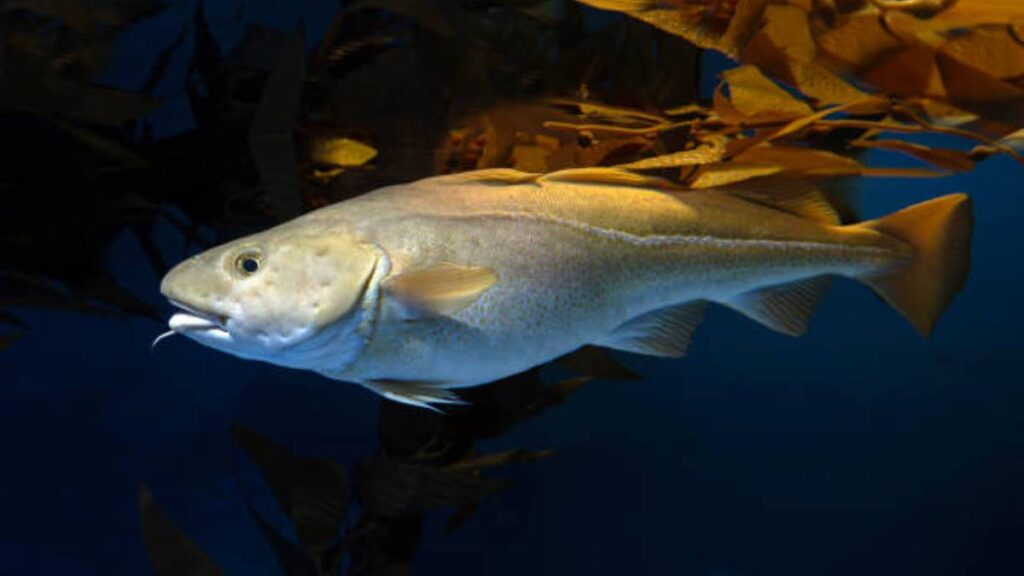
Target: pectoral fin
[(665, 332), (441, 289), (419, 394), (786, 308)]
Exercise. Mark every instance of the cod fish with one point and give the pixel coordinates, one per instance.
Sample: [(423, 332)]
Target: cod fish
[(454, 281)]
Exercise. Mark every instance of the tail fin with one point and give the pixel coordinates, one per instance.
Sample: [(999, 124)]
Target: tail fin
[(939, 231)]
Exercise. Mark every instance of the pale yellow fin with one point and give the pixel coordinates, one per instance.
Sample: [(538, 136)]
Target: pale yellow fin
[(664, 332), (939, 231), (799, 197), (608, 177), (441, 289), (487, 176), (787, 308), (419, 394), (592, 175)]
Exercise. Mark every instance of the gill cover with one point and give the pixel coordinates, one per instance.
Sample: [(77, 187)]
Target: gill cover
[(303, 280), (275, 289)]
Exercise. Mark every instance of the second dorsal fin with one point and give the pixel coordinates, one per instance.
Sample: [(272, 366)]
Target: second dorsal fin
[(799, 197), (487, 176), (593, 175), (608, 177)]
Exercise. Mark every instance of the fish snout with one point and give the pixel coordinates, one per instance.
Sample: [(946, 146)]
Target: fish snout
[(174, 284), (196, 284)]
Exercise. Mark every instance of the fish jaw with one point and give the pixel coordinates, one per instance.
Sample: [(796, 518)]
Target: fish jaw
[(309, 304), (208, 329), (198, 322), (199, 329)]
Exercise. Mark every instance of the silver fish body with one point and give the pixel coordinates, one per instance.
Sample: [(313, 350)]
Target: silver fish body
[(576, 258)]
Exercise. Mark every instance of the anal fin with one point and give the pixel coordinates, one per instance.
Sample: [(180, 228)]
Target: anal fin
[(665, 332), (786, 308), (419, 394)]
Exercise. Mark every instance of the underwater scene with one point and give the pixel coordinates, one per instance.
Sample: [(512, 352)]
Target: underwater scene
[(418, 287)]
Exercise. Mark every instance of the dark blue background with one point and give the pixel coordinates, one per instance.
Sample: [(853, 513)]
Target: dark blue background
[(859, 448)]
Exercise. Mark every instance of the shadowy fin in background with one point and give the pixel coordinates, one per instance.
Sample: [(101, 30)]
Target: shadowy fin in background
[(170, 551), (312, 491), (596, 362), (291, 560)]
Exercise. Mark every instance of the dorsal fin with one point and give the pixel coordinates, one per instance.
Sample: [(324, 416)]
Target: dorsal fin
[(488, 176), (609, 177), (593, 175), (664, 332), (799, 197), (786, 308)]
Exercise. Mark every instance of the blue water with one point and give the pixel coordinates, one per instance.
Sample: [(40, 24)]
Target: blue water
[(859, 448)]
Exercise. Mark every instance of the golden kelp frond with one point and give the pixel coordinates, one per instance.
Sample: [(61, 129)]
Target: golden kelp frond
[(955, 160), (752, 96), (341, 152), (785, 48), (756, 129), (706, 152), (546, 136), (53, 52), (724, 25), (967, 56), (964, 13)]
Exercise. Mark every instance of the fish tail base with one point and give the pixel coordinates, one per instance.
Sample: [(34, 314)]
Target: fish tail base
[(939, 233)]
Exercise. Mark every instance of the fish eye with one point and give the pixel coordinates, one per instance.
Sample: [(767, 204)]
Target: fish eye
[(248, 263)]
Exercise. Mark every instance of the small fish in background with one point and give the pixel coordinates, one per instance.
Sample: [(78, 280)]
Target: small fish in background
[(454, 281)]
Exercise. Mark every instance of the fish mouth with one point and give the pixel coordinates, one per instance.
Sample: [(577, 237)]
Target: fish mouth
[(191, 319)]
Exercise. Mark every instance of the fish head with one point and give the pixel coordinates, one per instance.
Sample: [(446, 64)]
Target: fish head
[(283, 296)]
